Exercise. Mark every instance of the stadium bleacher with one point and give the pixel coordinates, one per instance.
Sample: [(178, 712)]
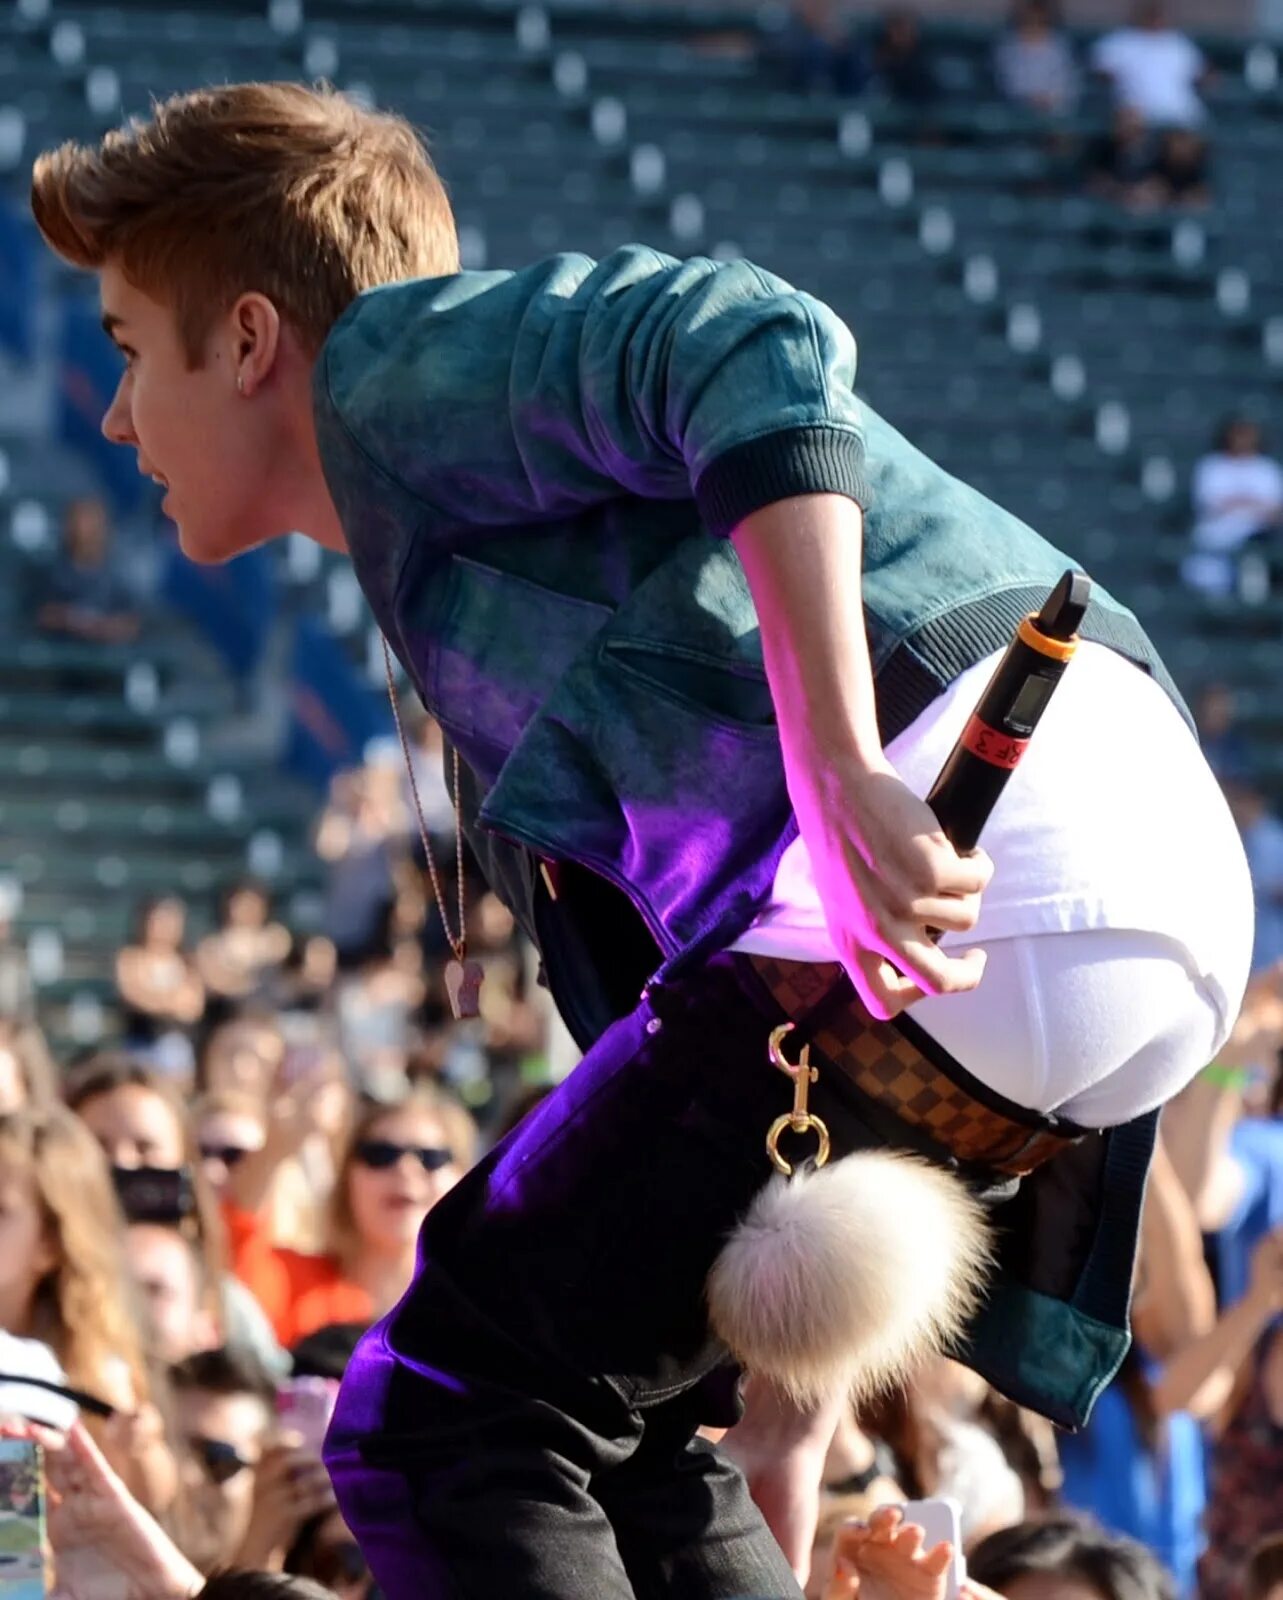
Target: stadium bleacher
[(1069, 358)]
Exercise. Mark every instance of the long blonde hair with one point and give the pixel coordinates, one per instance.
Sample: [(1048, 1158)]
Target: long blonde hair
[(82, 1306)]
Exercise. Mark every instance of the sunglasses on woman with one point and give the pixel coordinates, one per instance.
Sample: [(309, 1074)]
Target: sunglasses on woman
[(228, 1154), (220, 1459), (380, 1154)]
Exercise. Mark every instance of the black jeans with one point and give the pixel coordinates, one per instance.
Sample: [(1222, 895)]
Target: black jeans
[(522, 1424)]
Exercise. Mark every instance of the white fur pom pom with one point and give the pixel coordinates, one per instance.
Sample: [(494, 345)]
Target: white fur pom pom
[(848, 1276)]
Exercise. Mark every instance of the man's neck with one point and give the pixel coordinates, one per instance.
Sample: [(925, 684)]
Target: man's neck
[(311, 509)]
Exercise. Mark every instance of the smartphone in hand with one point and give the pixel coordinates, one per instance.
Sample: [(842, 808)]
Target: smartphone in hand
[(941, 1522), (305, 1406), (25, 1565)]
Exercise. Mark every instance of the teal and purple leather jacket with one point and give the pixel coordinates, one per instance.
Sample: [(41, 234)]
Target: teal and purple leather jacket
[(537, 474)]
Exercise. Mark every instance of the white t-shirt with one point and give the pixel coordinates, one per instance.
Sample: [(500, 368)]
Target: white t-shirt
[(1155, 74), (1218, 478), (1118, 924)]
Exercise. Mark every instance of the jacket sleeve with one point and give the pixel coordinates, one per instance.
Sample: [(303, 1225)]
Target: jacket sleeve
[(493, 399)]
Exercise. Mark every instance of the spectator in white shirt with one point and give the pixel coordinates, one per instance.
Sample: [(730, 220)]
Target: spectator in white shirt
[(1238, 496), (1033, 61), (1154, 69)]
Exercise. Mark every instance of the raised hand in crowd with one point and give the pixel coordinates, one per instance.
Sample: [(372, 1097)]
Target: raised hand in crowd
[(1201, 1377), (885, 1559), (291, 1486), (781, 1449), (105, 1546), (301, 1104)]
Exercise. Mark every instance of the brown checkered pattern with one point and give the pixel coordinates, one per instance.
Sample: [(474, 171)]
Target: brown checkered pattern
[(887, 1067)]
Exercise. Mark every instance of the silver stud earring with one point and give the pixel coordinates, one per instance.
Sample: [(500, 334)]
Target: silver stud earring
[(240, 383)]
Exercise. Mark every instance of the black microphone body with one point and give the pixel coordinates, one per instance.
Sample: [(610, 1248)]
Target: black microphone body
[(1000, 728)]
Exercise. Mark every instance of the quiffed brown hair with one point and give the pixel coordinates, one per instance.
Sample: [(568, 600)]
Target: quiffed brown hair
[(297, 193)]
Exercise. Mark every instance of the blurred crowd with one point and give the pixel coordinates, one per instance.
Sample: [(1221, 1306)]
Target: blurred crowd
[(1155, 79)]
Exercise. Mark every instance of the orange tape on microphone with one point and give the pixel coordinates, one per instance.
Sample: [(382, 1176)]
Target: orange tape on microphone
[(992, 745)]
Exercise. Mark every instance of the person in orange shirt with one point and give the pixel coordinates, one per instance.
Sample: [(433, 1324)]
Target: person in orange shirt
[(398, 1162)]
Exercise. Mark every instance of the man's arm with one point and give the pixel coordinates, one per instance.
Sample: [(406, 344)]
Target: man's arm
[(664, 379), (491, 403), (885, 872)]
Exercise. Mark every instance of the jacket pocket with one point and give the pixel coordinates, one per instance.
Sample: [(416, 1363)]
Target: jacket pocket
[(733, 694), (503, 644)]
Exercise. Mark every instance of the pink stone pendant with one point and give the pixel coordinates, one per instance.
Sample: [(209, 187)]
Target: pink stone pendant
[(463, 985)]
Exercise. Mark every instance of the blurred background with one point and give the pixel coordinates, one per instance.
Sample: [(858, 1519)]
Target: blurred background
[(1055, 232)]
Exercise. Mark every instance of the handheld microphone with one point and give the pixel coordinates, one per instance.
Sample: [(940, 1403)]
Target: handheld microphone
[(1001, 726)]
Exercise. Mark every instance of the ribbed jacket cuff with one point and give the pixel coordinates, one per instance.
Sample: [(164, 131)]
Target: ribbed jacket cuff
[(812, 460)]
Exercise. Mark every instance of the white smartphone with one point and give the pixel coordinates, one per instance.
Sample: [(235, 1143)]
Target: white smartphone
[(941, 1521)]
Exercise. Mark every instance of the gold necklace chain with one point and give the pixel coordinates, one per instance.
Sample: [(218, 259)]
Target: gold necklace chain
[(459, 945)]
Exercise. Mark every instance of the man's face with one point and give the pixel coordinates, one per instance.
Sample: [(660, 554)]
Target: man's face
[(165, 1273), (221, 1431), (192, 430)]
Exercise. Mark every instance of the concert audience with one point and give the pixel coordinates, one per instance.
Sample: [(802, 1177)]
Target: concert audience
[(1237, 495), (179, 1302), (1138, 1467), (254, 1483), (1153, 69), (398, 1162), (83, 595), (1262, 833), (161, 994), (1119, 162), (1263, 1575), (1064, 1558), (246, 948), (142, 1127), (1033, 61), (1224, 744), (28, 1073), (820, 49), (17, 991), (64, 1282), (900, 61), (360, 837), (1180, 175)]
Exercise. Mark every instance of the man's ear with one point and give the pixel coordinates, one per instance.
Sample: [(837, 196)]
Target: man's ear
[(256, 338)]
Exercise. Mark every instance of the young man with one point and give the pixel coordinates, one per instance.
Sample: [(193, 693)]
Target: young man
[(702, 628), (250, 1486)]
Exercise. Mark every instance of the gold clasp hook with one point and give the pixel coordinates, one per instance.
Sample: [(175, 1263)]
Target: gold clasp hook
[(800, 1119)]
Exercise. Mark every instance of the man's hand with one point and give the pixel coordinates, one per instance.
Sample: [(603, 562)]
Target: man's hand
[(886, 874), (887, 877)]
